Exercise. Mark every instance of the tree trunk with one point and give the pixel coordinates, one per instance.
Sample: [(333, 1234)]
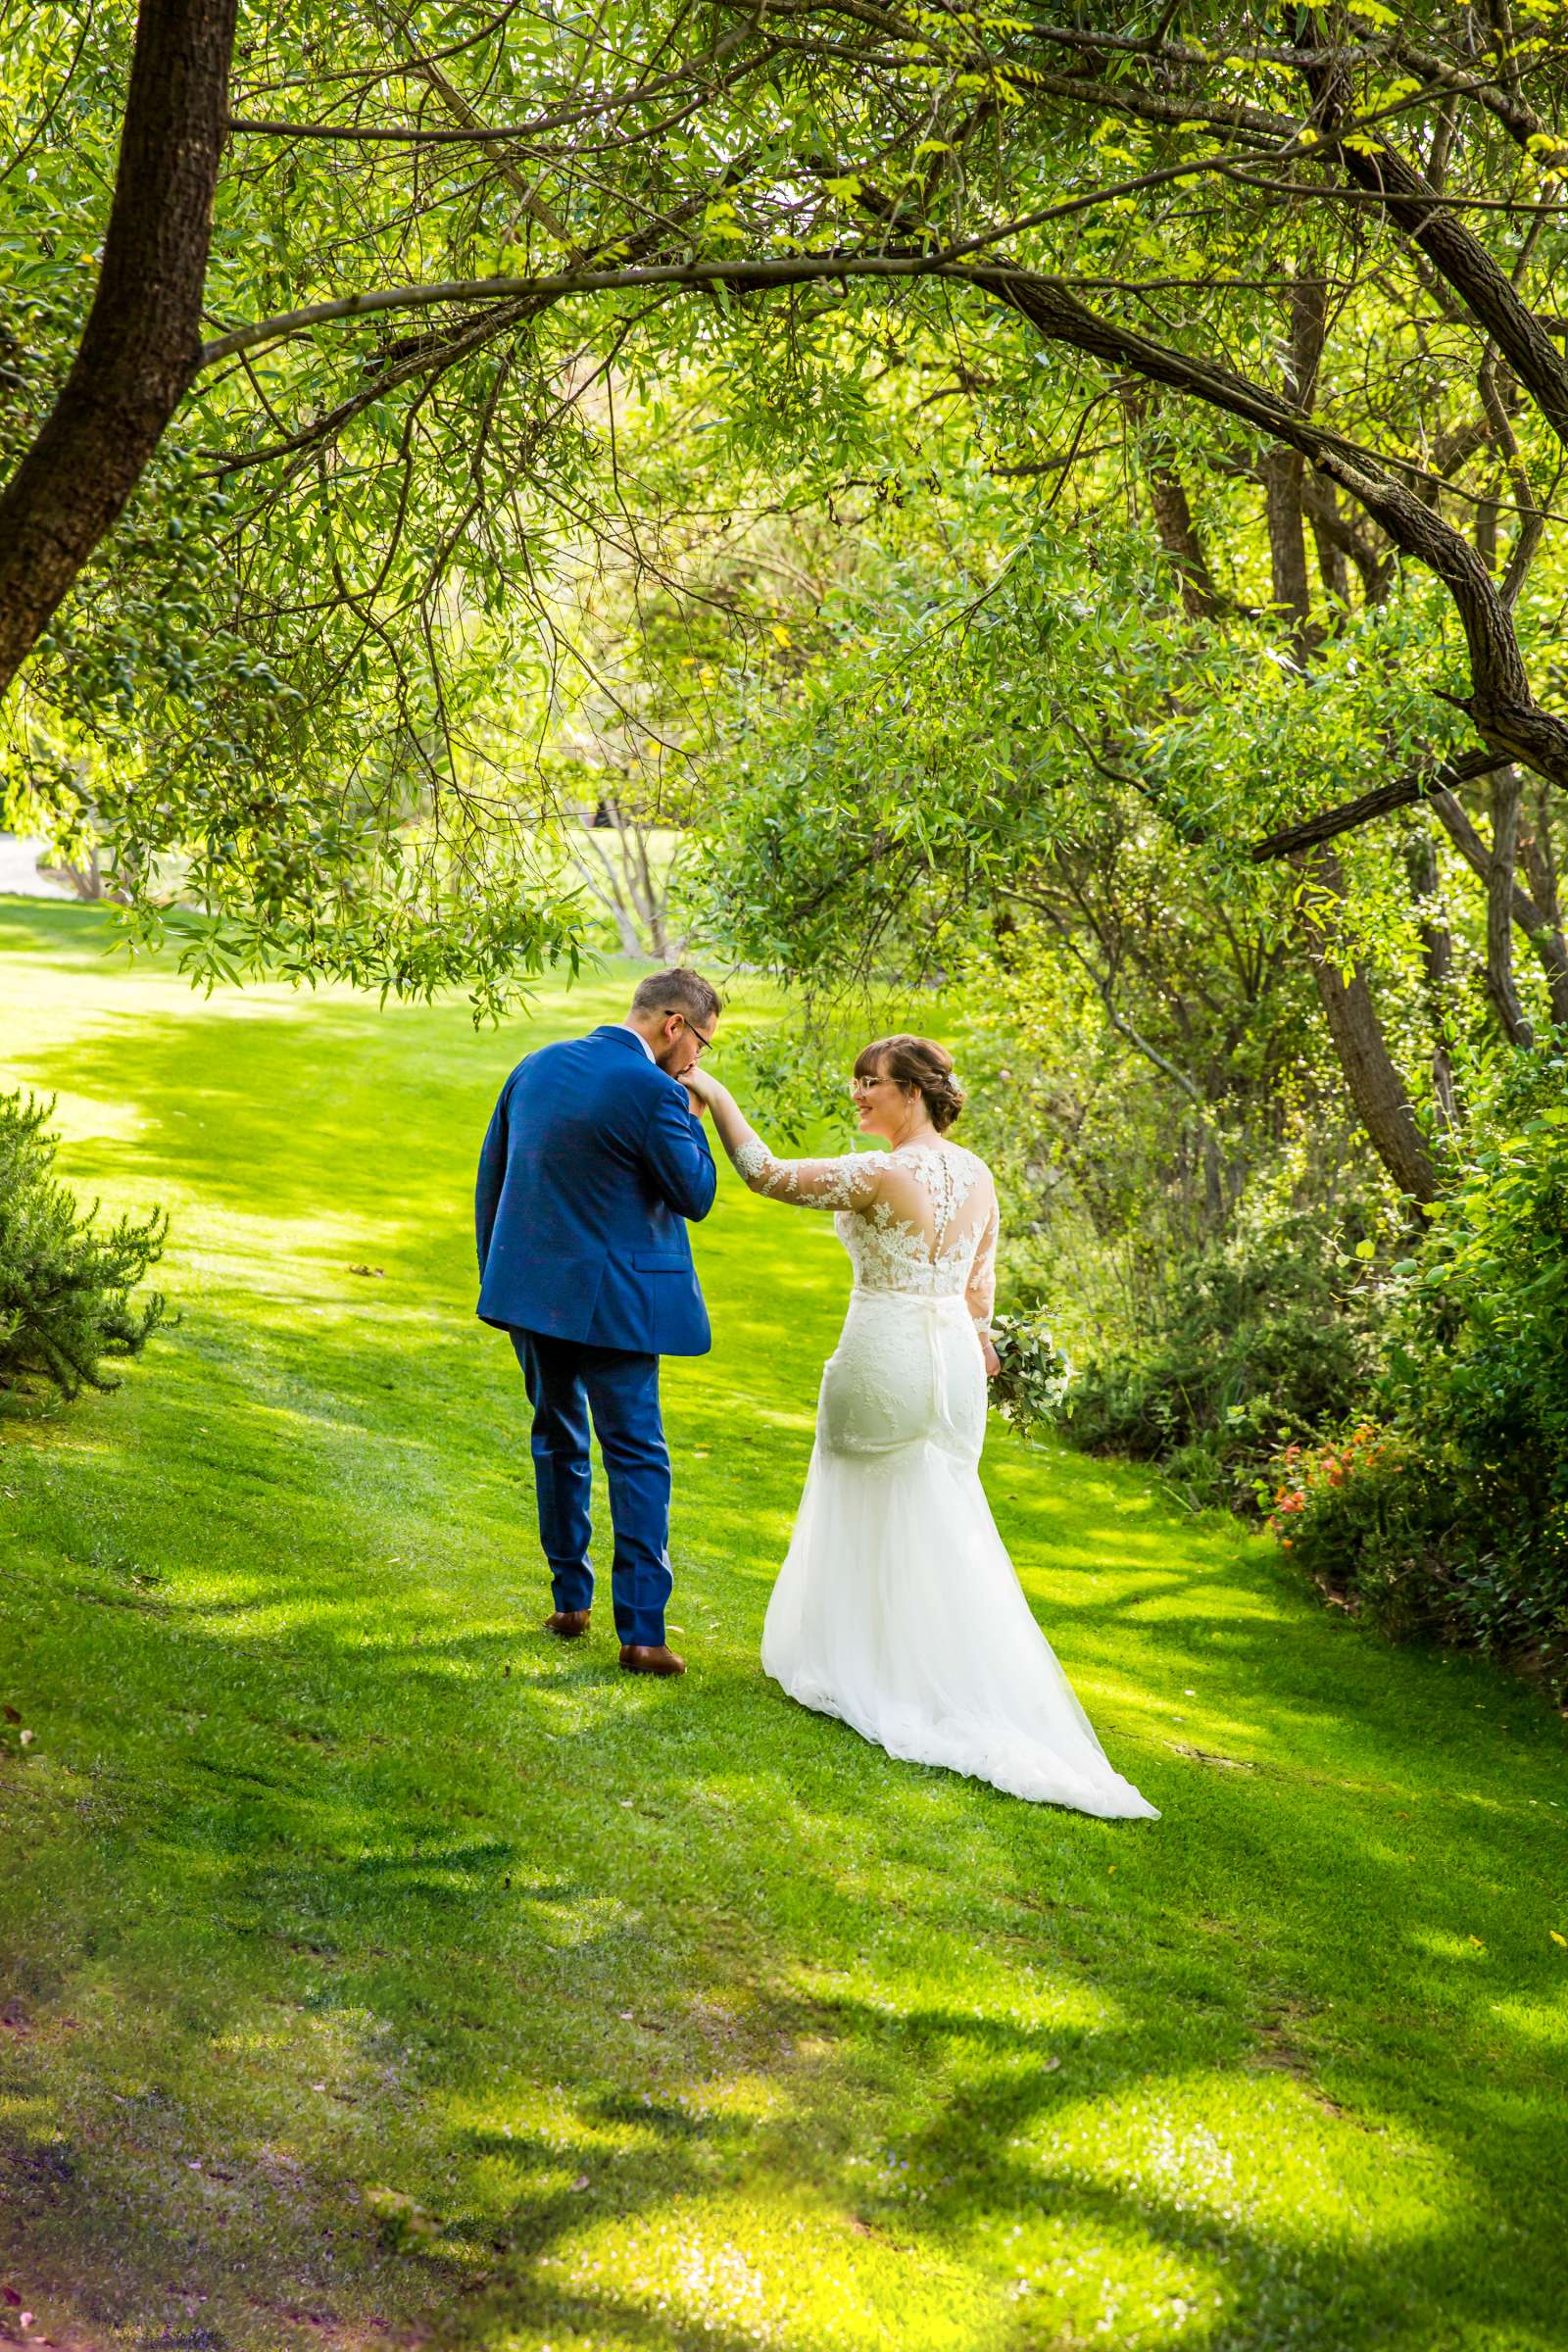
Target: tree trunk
[(1376, 1086), (1437, 970), (1331, 565), (1544, 934), (1178, 536), (141, 344), (1285, 469), (1171, 509), (1500, 989), (1377, 1089), (1537, 858)]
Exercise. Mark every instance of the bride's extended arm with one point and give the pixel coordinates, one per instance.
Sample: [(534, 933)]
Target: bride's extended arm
[(980, 1293), (846, 1183)]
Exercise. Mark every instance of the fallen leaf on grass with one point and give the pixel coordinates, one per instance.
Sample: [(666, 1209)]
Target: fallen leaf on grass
[(12, 1716), (376, 1270), (399, 2215), (1556, 1939)]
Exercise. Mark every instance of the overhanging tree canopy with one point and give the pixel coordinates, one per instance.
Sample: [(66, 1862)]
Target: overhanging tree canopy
[(1305, 256)]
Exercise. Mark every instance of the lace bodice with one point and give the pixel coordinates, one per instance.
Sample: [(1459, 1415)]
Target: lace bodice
[(920, 1219)]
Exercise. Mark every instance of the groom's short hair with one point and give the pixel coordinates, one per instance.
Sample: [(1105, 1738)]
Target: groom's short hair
[(680, 989)]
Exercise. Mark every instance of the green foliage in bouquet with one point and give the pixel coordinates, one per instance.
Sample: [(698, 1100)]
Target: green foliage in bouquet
[(1035, 1374), (65, 1286)]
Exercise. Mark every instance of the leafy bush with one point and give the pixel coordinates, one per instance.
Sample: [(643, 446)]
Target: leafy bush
[(1364, 1525), (65, 1286), (1267, 1337), (1456, 1519)]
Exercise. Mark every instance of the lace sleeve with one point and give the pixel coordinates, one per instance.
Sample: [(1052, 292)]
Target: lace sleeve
[(980, 1292), (846, 1183)]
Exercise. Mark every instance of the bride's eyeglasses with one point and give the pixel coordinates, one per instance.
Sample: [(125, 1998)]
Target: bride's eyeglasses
[(864, 1086)]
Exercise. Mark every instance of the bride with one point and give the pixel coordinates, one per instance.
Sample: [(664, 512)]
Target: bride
[(897, 1608)]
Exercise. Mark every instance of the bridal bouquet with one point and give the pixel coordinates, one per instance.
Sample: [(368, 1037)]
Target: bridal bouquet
[(1035, 1373)]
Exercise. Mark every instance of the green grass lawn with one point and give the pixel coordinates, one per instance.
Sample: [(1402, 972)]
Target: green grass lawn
[(379, 1972)]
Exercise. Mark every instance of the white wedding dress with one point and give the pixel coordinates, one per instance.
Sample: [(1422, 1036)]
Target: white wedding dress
[(897, 1608)]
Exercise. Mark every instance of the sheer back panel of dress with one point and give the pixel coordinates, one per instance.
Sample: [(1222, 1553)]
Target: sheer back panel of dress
[(923, 1218)]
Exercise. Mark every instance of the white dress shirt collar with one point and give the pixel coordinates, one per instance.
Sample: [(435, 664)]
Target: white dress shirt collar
[(641, 1040)]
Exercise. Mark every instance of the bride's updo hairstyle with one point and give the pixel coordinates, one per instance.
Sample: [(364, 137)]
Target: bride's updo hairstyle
[(917, 1061)]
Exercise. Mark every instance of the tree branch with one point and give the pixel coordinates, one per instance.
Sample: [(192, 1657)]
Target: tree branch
[(1501, 705), (1403, 793)]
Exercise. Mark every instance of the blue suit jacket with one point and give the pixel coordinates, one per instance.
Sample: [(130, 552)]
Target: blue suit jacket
[(592, 1164)]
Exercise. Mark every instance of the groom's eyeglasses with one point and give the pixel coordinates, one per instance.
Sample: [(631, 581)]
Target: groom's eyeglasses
[(702, 1043)]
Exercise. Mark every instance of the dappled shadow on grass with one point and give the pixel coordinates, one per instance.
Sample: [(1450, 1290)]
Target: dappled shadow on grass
[(346, 1867), (1274, 2287), (499, 1996)]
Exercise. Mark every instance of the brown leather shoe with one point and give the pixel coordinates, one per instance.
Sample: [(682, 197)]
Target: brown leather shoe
[(569, 1623), (644, 1657)]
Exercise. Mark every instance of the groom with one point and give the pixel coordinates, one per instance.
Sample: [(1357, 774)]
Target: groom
[(593, 1160)]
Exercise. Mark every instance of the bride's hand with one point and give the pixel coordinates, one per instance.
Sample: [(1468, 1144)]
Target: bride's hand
[(989, 1357), (705, 1090)]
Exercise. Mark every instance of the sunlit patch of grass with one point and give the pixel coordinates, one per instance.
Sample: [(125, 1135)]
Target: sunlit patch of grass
[(377, 1971), (1266, 2153), (770, 2271)]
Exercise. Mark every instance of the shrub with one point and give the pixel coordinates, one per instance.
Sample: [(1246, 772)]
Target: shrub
[(1362, 1523), (1267, 1337), (65, 1285), (1453, 1516)]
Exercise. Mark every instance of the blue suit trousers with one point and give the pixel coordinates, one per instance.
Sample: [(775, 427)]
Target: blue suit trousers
[(568, 1382)]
